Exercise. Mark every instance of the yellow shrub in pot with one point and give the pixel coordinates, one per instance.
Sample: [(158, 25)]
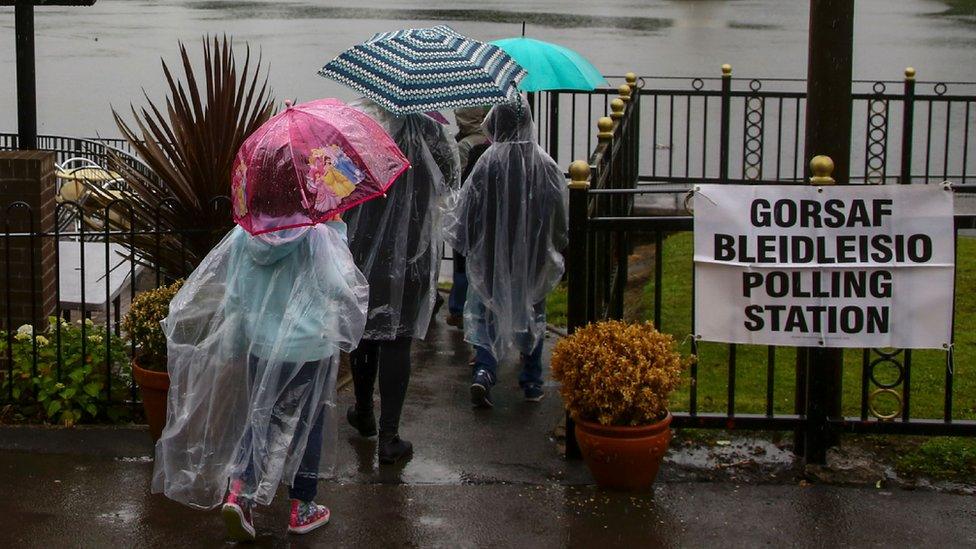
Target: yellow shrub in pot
[(618, 373)]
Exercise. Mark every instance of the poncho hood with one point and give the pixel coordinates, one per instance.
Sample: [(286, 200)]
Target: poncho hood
[(269, 248), (511, 122), (510, 223)]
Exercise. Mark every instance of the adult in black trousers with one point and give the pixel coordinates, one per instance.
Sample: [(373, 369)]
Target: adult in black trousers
[(396, 242)]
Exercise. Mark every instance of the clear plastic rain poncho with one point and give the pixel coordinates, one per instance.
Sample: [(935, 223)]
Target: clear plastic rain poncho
[(397, 240), (510, 223), (253, 341)]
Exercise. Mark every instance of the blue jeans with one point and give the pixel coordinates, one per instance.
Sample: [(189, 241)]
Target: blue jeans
[(531, 374), (305, 485), (459, 290)]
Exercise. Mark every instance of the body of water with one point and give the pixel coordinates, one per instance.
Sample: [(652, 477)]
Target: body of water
[(91, 58)]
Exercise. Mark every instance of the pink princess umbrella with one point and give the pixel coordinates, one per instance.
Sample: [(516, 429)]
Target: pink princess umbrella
[(308, 164)]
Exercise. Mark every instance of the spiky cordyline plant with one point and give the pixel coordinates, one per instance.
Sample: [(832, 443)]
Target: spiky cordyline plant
[(191, 147)]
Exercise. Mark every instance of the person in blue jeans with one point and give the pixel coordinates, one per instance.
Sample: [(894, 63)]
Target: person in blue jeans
[(510, 224)]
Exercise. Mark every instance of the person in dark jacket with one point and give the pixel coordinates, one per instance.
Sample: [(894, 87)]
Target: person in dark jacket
[(396, 243), (510, 222), (473, 141)]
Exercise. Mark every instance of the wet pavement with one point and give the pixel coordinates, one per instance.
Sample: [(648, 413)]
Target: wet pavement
[(478, 479)]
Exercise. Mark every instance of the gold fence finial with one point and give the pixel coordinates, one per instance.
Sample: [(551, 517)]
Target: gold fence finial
[(617, 108), (605, 125), (909, 73), (822, 168), (579, 175), (631, 80), (624, 91), (726, 70)]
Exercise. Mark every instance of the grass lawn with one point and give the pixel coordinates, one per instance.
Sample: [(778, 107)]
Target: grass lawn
[(927, 370)]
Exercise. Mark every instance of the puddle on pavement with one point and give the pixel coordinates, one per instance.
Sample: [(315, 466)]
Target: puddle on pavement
[(124, 515), (731, 453)]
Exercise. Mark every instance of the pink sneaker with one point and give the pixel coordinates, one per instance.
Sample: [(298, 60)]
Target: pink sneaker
[(237, 514), (306, 517)]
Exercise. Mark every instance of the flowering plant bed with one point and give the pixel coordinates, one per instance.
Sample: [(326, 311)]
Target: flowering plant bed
[(61, 375)]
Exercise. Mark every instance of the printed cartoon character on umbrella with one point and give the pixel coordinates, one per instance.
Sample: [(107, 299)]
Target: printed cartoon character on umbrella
[(332, 176)]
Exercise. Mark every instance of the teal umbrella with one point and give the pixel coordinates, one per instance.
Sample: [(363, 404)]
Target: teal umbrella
[(551, 66)]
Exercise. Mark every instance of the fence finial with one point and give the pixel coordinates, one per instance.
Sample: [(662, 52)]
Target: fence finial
[(726, 70), (605, 125), (822, 168), (909, 73), (617, 108), (579, 175), (631, 80), (624, 91)]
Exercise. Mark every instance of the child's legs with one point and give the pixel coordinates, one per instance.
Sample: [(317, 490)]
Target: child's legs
[(364, 363), (305, 485), (244, 465), (394, 372)]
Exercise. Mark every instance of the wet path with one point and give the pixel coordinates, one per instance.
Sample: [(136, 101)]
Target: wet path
[(479, 479)]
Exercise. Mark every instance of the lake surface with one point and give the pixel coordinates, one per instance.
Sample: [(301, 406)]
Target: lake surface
[(89, 59)]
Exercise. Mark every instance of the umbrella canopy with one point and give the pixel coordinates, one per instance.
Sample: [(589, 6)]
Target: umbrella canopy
[(310, 163), (551, 66), (418, 70)]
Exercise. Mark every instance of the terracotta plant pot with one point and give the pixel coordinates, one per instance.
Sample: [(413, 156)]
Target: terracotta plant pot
[(153, 386), (624, 458)]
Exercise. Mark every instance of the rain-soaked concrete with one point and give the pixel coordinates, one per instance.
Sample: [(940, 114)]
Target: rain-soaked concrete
[(478, 479)]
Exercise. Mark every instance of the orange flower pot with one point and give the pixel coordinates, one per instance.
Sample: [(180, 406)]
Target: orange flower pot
[(154, 387), (624, 458)]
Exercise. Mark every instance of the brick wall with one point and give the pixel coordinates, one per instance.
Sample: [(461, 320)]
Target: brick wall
[(27, 177)]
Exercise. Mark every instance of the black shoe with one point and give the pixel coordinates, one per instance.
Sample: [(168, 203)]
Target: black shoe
[(438, 303), (364, 422), (456, 320), (481, 389), (393, 449)]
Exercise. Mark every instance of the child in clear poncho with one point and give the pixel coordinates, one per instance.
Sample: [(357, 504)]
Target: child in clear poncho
[(510, 224), (253, 339)]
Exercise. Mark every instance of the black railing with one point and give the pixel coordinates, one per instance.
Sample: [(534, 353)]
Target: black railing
[(589, 306), (97, 270), (100, 150), (653, 131), (604, 228), (726, 129)]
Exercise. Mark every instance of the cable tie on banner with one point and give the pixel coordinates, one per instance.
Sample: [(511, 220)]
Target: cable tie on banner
[(951, 357), (947, 185), (697, 190)]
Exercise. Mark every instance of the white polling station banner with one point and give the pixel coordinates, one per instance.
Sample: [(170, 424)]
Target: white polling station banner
[(831, 266)]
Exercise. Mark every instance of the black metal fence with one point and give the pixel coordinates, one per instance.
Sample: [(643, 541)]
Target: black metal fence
[(70, 289), (659, 134), (100, 150), (605, 228), (726, 129)]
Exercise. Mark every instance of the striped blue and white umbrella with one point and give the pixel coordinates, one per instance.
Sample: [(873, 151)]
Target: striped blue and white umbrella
[(418, 70)]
